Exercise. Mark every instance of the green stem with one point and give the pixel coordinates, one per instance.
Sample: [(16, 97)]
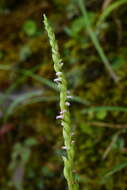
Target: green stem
[(64, 110)]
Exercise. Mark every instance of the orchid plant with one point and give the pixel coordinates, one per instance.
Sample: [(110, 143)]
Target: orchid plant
[(64, 115)]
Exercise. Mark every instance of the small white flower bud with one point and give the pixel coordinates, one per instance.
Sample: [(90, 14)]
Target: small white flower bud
[(64, 147), (59, 117), (67, 103), (58, 73), (69, 97), (57, 80)]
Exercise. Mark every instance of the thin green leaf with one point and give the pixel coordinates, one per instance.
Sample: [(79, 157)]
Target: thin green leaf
[(109, 10), (116, 169), (42, 99), (30, 73), (25, 74), (96, 42), (104, 108), (19, 100)]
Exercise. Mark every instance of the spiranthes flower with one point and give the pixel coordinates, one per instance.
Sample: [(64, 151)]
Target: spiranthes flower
[(64, 111)]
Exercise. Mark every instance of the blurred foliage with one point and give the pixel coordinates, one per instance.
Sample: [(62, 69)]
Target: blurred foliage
[(30, 137)]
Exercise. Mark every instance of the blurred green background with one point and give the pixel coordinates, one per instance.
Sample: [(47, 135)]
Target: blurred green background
[(90, 34)]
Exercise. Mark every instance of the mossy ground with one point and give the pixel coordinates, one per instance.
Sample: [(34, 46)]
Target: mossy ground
[(30, 137)]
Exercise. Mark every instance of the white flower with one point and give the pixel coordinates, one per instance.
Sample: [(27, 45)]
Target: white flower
[(59, 117), (58, 73), (57, 80), (69, 97), (64, 147), (67, 103)]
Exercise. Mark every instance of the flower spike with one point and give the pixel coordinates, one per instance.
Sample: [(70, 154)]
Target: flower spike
[(64, 113)]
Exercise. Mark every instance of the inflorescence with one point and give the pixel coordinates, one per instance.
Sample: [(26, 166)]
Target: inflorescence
[(64, 114)]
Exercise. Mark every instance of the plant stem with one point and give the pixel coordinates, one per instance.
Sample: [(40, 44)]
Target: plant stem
[(64, 110)]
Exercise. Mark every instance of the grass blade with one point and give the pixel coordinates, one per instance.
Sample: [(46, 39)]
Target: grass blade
[(41, 79), (19, 100), (26, 74), (96, 42), (109, 10), (104, 108), (115, 169)]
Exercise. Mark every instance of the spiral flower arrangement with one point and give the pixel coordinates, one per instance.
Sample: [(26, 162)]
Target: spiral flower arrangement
[(64, 115)]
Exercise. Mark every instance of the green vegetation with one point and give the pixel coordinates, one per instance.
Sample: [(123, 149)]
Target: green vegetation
[(92, 40), (64, 111)]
